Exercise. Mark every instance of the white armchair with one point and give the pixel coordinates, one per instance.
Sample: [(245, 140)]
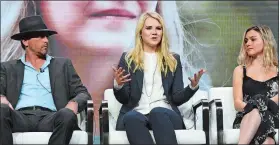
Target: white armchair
[(222, 115), (84, 136), (109, 112)]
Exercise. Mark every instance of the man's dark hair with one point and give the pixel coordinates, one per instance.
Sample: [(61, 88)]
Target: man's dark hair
[(33, 35), (22, 45)]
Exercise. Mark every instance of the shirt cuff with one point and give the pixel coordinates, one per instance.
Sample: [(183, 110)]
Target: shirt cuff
[(116, 86), (193, 88)]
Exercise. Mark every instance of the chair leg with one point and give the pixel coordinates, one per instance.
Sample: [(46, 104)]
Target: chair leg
[(89, 124), (104, 123)]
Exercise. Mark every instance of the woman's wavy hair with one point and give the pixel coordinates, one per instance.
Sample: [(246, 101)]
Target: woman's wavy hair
[(269, 49)]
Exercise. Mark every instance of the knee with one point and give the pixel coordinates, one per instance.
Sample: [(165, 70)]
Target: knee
[(130, 117), (269, 140), (253, 115), (157, 111), (5, 111), (157, 114), (255, 112), (66, 115)]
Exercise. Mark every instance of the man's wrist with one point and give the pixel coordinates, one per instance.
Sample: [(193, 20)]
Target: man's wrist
[(2, 96), (73, 101)]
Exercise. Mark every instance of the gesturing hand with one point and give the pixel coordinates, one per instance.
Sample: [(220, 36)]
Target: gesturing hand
[(120, 77), (196, 78)]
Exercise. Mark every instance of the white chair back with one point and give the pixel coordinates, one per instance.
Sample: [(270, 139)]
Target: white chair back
[(113, 108), (226, 96)]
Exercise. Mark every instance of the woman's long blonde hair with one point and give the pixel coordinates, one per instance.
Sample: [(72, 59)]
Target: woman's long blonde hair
[(165, 59), (269, 50)]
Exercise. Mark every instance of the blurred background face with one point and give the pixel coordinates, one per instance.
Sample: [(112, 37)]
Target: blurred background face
[(95, 25)]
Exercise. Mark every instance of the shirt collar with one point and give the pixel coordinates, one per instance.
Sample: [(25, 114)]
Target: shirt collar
[(48, 59)]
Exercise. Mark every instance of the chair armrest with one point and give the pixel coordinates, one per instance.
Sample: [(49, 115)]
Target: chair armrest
[(104, 122), (82, 119), (83, 115), (205, 116), (89, 121), (217, 103)]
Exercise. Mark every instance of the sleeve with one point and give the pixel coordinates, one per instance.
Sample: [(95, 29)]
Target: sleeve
[(78, 91), (123, 94), (180, 95), (3, 80)]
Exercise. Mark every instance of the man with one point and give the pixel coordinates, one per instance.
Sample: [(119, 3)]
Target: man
[(39, 92)]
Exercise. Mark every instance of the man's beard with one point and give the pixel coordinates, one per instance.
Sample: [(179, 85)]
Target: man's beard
[(42, 54)]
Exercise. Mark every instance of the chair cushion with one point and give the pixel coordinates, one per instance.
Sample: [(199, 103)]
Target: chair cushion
[(231, 136), (183, 137), (78, 137)]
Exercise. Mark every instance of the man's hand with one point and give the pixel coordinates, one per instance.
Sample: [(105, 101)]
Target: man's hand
[(72, 105), (196, 78), (5, 101)]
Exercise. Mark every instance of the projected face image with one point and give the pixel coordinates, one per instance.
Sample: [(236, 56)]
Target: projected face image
[(95, 25)]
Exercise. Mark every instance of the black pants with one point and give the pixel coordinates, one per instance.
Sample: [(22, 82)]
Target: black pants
[(62, 123), (162, 121)]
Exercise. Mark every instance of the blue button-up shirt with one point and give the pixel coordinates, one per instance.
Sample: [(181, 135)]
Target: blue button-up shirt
[(36, 87)]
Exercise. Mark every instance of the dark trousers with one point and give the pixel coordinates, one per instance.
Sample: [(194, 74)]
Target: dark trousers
[(61, 123), (161, 121)]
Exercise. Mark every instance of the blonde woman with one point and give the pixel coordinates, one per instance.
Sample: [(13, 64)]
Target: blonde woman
[(149, 84), (255, 87)]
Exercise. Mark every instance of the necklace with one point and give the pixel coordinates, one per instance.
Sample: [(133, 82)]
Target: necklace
[(152, 83)]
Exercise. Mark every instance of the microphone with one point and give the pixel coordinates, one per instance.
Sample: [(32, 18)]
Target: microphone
[(41, 71)]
